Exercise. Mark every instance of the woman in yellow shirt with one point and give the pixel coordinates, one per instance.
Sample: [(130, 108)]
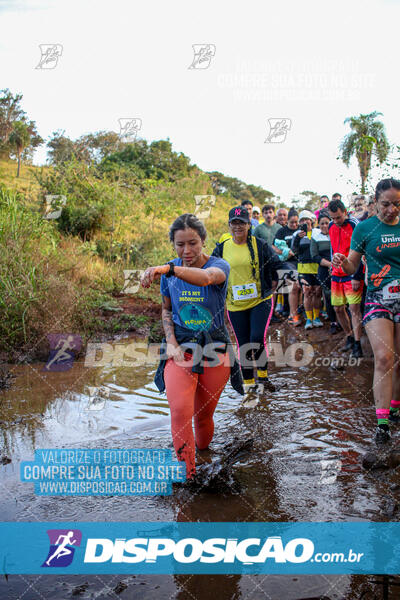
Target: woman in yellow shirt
[(249, 303)]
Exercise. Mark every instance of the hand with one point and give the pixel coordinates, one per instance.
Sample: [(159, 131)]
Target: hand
[(290, 254), (151, 273), (175, 352), (355, 285), (337, 260), (301, 234)]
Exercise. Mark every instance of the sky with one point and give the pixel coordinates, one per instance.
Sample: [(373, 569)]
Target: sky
[(311, 64)]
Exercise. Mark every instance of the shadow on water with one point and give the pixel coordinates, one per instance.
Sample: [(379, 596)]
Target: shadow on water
[(309, 439)]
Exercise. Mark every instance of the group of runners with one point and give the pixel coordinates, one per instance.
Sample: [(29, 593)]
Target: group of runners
[(323, 255)]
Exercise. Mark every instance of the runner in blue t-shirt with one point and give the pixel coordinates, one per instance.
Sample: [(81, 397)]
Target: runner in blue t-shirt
[(193, 288)]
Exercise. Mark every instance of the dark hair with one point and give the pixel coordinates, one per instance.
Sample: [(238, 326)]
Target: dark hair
[(244, 202), (323, 214), (335, 204), (323, 196), (386, 184), (268, 207), (336, 195), (292, 213), (252, 255), (187, 221)]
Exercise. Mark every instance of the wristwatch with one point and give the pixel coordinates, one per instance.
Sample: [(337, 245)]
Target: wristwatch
[(171, 271)]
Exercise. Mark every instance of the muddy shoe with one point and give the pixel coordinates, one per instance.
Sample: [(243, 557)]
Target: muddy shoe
[(349, 343), (394, 416), (356, 351), (267, 385), (317, 322), (382, 435)]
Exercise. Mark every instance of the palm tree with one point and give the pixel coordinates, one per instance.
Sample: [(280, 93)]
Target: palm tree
[(20, 138), (24, 137), (367, 137)]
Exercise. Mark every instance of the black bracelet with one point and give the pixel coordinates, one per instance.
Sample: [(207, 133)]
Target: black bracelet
[(171, 271)]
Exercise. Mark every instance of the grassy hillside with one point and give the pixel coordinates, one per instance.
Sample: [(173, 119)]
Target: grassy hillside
[(52, 281)]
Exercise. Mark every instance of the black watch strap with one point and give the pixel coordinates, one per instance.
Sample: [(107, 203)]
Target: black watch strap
[(171, 271)]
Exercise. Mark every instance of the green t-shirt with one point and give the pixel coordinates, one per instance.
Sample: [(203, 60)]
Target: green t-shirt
[(267, 232), (380, 243)]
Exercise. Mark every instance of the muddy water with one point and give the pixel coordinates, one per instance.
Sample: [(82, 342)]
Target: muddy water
[(310, 436)]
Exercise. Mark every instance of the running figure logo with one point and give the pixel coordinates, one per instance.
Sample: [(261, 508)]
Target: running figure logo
[(62, 349), (278, 129), (50, 55), (203, 206), (128, 129), (203, 54), (54, 204), (132, 281), (61, 551)]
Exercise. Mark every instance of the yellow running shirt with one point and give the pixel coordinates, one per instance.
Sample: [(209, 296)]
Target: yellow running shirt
[(308, 268), (244, 291)]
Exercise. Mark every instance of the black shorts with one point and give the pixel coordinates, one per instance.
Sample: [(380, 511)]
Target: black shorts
[(378, 308), (308, 278)]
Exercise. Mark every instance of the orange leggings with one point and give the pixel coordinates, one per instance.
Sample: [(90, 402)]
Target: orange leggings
[(193, 395)]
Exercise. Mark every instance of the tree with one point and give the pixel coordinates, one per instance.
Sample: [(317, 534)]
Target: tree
[(99, 145), (368, 137), (22, 137), (312, 201), (150, 161), (61, 148), (230, 186), (10, 111)]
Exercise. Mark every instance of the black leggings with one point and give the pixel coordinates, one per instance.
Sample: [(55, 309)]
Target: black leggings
[(250, 327)]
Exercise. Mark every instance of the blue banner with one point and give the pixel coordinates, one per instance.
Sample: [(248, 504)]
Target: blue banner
[(196, 548)]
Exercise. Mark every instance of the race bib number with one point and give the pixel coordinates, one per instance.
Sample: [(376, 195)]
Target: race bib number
[(391, 291), (244, 292)]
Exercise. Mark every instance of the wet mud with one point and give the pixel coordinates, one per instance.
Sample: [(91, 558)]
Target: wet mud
[(312, 459)]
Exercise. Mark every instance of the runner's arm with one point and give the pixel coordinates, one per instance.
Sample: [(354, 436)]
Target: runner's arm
[(200, 277), (349, 264), (168, 324), (193, 275)]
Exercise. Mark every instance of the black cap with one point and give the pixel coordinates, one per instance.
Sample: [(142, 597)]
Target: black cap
[(240, 213)]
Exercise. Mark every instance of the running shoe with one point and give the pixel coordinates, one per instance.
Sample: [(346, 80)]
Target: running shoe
[(309, 324), (334, 328), (301, 310), (279, 309), (295, 320), (349, 343), (324, 314), (394, 417), (267, 385), (356, 351), (382, 436), (275, 318), (317, 323)]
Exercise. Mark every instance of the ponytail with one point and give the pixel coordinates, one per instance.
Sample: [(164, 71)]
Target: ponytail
[(252, 255)]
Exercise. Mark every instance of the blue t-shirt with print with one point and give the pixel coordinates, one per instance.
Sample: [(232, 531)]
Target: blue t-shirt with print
[(195, 307)]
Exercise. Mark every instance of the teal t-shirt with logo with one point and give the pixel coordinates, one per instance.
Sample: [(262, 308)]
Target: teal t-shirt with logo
[(195, 307), (380, 243)]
